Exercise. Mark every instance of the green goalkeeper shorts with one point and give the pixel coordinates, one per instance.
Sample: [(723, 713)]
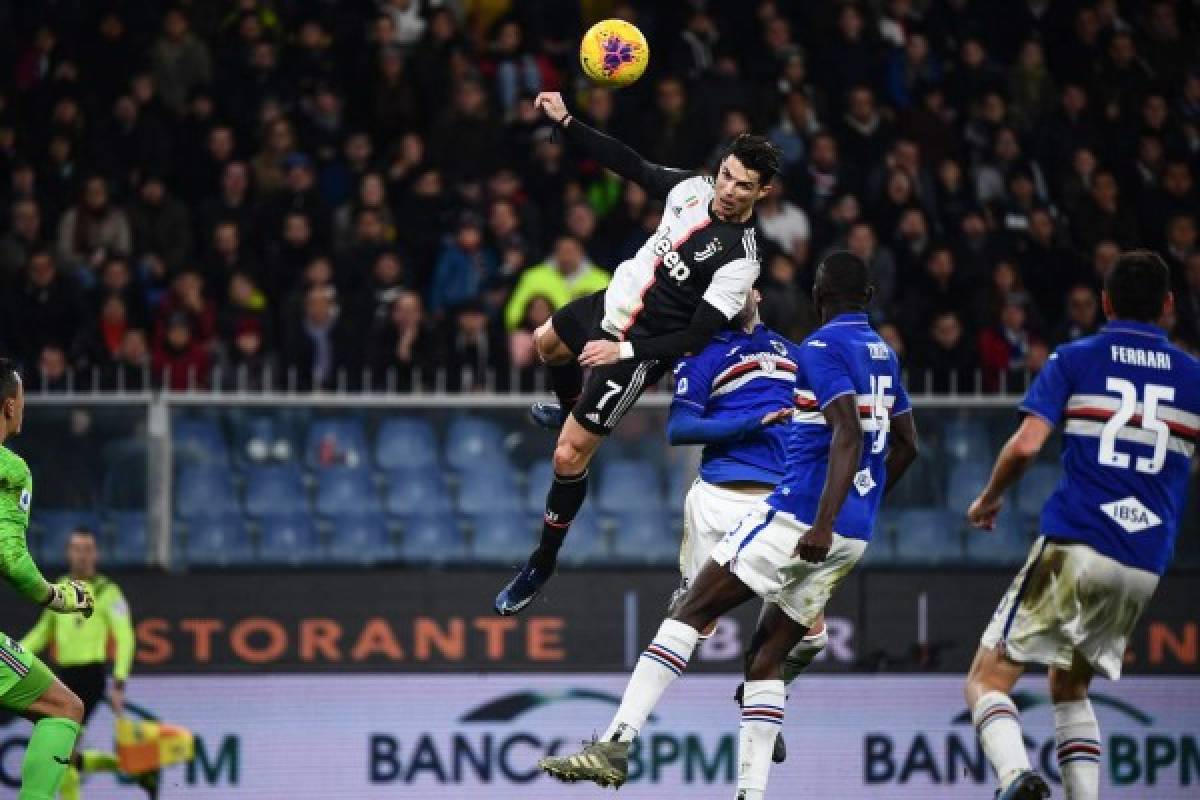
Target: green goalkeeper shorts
[(23, 676)]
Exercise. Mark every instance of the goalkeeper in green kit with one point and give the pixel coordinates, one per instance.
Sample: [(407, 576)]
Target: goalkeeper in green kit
[(26, 686)]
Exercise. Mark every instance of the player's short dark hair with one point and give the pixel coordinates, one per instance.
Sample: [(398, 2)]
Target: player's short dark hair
[(10, 379), (756, 153), (1137, 286), (845, 276)]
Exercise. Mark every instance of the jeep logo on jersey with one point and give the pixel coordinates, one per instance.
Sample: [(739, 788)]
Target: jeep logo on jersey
[(1131, 515), (779, 347), (677, 268)]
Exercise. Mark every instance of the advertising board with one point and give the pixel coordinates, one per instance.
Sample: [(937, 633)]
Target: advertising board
[(459, 736)]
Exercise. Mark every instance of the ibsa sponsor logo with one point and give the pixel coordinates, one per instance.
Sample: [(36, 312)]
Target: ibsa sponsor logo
[(1135, 753), (217, 762), (501, 740)]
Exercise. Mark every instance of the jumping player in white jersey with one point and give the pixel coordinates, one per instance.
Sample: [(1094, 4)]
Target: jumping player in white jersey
[(684, 284), (851, 439), (1130, 401), (735, 397)]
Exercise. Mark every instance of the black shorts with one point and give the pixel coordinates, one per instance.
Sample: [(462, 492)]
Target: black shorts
[(608, 391), (88, 682)]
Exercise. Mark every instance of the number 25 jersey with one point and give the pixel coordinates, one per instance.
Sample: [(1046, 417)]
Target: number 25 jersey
[(1131, 404), (843, 357)]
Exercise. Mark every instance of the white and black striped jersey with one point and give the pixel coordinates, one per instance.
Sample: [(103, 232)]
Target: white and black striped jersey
[(693, 256)]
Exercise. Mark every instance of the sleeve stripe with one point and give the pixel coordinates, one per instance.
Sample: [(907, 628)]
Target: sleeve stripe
[(686, 401)]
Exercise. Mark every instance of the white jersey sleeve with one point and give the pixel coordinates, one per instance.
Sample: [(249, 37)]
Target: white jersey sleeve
[(730, 286)]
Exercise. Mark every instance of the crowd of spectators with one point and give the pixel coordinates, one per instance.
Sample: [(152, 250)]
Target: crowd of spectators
[(350, 193)]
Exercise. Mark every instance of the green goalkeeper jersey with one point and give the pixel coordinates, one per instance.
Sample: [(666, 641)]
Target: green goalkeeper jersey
[(16, 497)]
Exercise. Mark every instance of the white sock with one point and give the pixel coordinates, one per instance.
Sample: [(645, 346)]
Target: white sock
[(804, 653), (663, 661), (999, 731), (762, 719), (1078, 738)]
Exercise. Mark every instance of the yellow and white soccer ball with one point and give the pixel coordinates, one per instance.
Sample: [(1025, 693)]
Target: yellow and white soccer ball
[(613, 53)]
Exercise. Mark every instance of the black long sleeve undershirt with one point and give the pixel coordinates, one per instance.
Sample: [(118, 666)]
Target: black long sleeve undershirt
[(624, 160), (706, 322)]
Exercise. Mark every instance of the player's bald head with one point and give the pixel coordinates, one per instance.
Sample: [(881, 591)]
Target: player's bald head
[(842, 279)]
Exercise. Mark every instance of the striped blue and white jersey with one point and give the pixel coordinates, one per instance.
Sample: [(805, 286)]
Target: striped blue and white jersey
[(741, 375), (1130, 403), (844, 356)]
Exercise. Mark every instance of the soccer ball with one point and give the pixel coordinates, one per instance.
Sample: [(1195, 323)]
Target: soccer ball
[(613, 53)]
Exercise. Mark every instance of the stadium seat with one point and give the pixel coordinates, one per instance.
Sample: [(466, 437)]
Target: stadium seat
[(336, 442), (361, 539), (198, 440), (406, 443), (679, 482), (921, 485), (129, 539), (927, 536), (55, 527), (203, 490), (501, 538), (471, 441), (965, 439), (966, 480), (275, 490), (487, 489), (587, 543), (416, 492), (881, 550), (1007, 545), (1037, 484), (218, 541), (537, 483), (432, 539), (125, 473), (345, 491), (625, 485), (289, 539), (642, 537), (263, 439)]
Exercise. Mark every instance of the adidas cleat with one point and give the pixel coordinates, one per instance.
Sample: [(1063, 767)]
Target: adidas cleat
[(547, 415), (602, 763), (1026, 786), (779, 754), (521, 590)]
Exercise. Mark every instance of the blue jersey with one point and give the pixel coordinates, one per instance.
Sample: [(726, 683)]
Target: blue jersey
[(740, 375), (1131, 405), (843, 357)]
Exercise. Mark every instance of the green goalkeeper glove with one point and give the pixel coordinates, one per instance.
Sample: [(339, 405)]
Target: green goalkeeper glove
[(69, 597)]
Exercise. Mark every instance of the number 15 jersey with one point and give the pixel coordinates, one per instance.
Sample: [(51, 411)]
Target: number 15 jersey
[(843, 357), (1131, 404)]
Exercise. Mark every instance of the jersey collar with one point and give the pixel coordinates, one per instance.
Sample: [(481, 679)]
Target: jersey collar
[(1135, 328), (855, 318), (730, 335)]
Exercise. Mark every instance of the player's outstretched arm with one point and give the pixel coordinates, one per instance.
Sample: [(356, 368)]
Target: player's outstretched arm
[(613, 154), (687, 426), (1016, 455), (902, 449), (845, 452)]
